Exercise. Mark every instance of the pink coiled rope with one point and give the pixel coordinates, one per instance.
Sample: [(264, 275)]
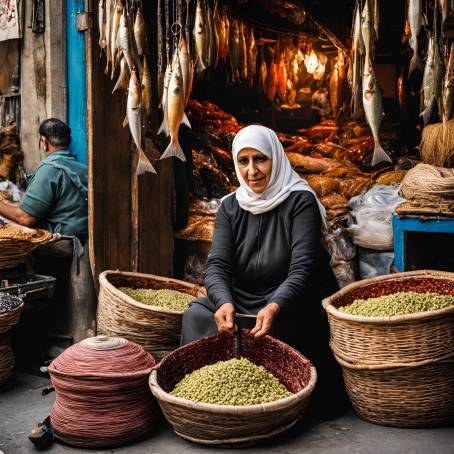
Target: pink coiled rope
[(102, 394)]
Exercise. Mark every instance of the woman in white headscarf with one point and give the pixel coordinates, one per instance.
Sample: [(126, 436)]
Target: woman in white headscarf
[(267, 258)]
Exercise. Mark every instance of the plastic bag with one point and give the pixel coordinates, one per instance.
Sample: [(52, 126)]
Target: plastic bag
[(339, 245), (194, 270), (372, 212), (374, 264)]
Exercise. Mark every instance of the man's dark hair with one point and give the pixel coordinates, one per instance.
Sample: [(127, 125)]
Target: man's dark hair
[(56, 132)]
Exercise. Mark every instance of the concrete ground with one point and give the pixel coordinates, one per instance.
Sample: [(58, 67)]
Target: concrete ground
[(22, 406)]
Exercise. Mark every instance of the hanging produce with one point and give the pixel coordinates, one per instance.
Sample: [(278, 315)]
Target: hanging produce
[(373, 107), (200, 37), (356, 78), (415, 20), (432, 80), (368, 31), (134, 111), (448, 88), (175, 104)]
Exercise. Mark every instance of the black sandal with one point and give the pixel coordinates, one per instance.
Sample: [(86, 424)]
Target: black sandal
[(42, 436)]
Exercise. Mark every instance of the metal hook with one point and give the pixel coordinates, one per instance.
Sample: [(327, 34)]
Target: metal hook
[(176, 29)]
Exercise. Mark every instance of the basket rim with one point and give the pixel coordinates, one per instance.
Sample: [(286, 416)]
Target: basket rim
[(391, 366), (393, 319), (104, 282), (17, 308)]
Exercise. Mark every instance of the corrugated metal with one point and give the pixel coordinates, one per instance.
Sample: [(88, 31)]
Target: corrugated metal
[(77, 90)]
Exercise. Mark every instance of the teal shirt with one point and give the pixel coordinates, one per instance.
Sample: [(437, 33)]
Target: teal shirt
[(57, 195)]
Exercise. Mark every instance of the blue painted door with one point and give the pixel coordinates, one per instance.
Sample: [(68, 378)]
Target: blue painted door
[(76, 78)]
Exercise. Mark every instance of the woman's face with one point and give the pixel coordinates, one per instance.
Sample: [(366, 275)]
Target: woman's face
[(255, 169)]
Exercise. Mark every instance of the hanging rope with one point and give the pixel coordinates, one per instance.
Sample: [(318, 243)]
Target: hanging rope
[(102, 394)]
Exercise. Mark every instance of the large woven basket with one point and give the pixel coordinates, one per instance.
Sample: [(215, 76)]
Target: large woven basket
[(14, 251), (8, 319), (156, 329), (399, 370), (6, 358), (233, 425), (412, 395)]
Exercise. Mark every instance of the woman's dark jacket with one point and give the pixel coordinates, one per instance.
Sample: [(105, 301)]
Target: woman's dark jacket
[(275, 256)]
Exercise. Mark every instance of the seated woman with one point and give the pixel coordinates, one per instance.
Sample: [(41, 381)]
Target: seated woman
[(267, 258)]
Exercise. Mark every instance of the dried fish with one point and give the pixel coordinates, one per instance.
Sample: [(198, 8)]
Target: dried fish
[(146, 90), (134, 116), (373, 107), (175, 111), (200, 37), (140, 33)]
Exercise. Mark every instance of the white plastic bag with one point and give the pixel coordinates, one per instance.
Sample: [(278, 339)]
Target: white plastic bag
[(372, 212)]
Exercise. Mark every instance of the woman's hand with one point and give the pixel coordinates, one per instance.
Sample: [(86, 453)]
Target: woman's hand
[(265, 319), (225, 318)]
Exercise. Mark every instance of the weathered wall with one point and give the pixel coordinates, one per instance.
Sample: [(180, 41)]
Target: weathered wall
[(43, 78)]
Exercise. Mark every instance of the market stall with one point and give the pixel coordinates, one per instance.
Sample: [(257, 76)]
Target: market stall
[(169, 86)]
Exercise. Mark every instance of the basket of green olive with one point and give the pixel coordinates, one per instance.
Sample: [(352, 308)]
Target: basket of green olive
[(144, 308), (394, 338), (210, 397)]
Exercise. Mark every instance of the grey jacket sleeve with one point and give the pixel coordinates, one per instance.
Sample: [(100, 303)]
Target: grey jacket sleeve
[(305, 237), (218, 275)]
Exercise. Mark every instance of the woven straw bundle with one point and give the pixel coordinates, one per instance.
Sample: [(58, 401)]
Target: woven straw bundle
[(427, 186)]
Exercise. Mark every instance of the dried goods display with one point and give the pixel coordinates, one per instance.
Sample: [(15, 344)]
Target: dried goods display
[(170, 299), (232, 382), (398, 304)]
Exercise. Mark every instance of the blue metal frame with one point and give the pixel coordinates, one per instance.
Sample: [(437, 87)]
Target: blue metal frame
[(76, 81), (403, 224)]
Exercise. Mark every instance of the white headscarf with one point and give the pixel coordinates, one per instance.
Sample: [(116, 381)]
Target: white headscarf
[(284, 180)]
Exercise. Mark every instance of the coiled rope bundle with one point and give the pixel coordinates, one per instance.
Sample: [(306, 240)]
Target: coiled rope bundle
[(102, 395), (426, 186)]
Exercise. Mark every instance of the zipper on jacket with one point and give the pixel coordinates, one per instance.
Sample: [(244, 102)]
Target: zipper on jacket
[(259, 242)]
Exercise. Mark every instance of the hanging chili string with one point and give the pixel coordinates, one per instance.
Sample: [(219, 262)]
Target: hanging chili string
[(102, 395)]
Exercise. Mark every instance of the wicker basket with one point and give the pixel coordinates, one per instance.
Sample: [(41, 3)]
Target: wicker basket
[(233, 425), (14, 251), (8, 319), (412, 395), (408, 338), (6, 358), (156, 329), (399, 370)]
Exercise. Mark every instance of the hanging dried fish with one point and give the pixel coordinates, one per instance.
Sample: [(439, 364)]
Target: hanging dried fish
[(175, 111), (125, 42), (200, 37), (102, 24), (122, 81), (140, 32), (234, 50), (146, 90), (165, 123), (161, 50), (373, 107), (252, 56), (242, 62), (216, 22), (118, 11), (134, 115)]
